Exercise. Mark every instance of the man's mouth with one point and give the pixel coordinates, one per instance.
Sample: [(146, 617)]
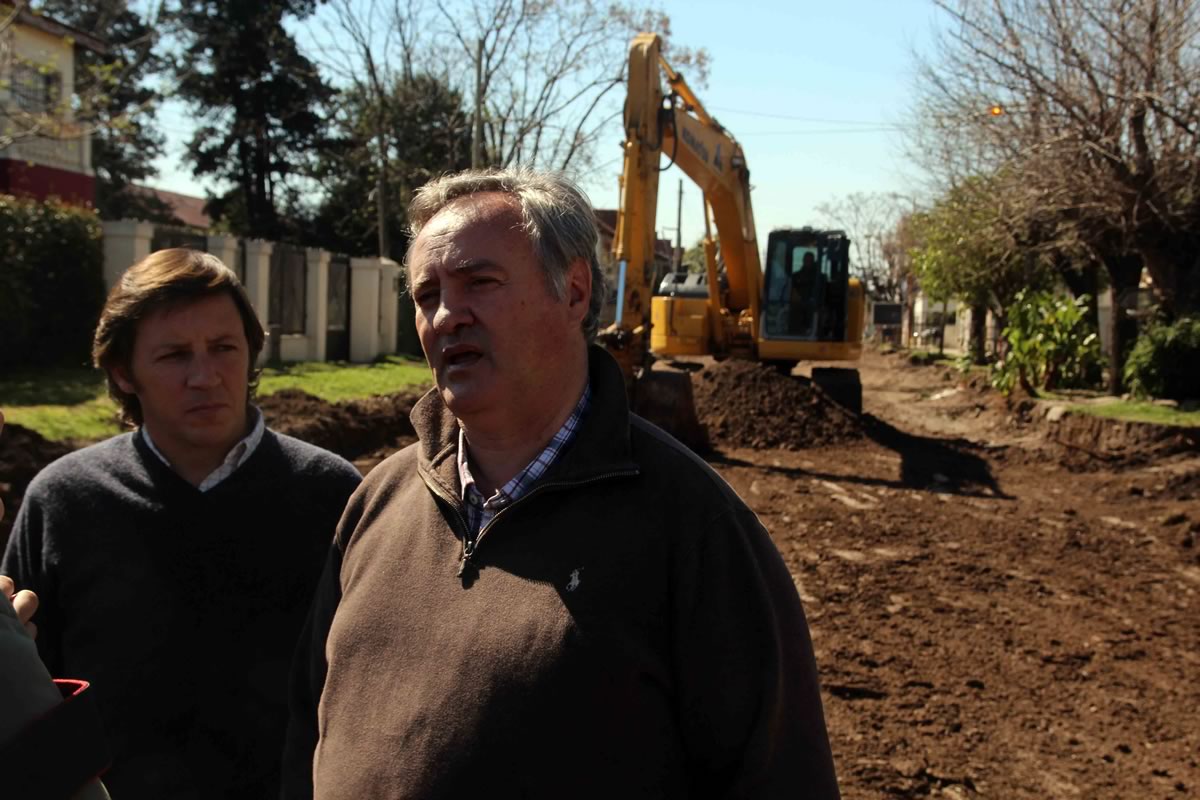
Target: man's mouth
[(460, 355), (206, 408)]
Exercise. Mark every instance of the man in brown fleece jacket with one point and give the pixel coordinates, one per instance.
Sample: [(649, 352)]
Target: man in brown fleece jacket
[(546, 596)]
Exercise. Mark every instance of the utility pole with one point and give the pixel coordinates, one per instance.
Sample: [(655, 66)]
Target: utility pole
[(477, 125), (679, 229)]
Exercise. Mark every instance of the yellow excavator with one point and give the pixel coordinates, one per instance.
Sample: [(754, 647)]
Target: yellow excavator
[(804, 307)]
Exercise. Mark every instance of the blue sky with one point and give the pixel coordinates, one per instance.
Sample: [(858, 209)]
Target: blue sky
[(812, 90), (845, 62)]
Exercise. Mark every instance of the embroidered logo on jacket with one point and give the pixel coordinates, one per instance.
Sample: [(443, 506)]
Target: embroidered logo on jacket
[(573, 584)]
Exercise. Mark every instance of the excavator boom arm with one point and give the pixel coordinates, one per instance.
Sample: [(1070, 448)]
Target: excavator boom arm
[(677, 125)]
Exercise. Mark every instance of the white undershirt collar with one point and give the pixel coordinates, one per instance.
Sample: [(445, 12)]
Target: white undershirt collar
[(237, 456)]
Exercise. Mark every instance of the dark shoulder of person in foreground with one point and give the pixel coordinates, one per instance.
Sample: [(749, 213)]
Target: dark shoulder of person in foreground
[(51, 743), (175, 564), (546, 595)]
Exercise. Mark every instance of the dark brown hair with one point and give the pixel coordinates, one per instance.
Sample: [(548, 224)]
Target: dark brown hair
[(160, 280)]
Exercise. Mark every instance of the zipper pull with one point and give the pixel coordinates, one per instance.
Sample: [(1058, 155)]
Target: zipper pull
[(468, 571)]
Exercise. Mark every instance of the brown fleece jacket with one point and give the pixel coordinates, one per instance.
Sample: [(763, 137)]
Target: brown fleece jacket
[(626, 629)]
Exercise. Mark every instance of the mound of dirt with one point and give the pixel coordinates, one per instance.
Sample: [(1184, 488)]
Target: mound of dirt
[(364, 431), (23, 453), (351, 429), (744, 404)]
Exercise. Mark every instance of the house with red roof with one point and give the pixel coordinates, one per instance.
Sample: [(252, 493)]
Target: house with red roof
[(43, 151)]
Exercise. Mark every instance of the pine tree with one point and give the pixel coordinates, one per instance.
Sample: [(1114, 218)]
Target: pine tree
[(256, 100)]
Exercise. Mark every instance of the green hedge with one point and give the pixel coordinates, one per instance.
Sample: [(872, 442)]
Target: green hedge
[(1165, 361), (51, 282)]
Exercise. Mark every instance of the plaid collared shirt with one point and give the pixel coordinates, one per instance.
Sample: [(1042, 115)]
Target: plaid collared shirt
[(479, 510)]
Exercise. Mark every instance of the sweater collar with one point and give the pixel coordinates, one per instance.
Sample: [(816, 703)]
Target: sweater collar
[(601, 446), (236, 456), (164, 479)]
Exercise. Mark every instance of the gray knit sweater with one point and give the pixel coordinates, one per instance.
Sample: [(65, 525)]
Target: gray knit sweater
[(182, 608)]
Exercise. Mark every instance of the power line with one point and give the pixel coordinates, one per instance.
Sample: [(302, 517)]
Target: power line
[(815, 120), (890, 129)]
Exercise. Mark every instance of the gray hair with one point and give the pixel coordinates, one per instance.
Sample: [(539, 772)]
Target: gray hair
[(556, 216)]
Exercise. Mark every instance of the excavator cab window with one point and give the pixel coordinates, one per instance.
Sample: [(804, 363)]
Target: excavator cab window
[(805, 289)]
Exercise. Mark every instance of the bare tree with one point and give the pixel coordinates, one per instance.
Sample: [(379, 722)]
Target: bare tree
[(371, 81), (1088, 112), (544, 78), (870, 219), (375, 61)]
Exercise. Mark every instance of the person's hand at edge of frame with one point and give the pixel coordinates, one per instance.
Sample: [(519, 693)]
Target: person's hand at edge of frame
[(25, 602)]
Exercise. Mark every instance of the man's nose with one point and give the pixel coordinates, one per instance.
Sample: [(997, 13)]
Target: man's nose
[(452, 313), (202, 372)]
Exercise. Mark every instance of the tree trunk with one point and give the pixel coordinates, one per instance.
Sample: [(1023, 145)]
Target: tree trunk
[(909, 320), (261, 214), (1124, 272), (1175, 271), (977, 345), (1082, 282), (381, 187), (1085, 281), (477, 121), (1163, 273)]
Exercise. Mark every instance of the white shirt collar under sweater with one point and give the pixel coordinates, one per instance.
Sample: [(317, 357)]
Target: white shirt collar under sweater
[(236, 457)]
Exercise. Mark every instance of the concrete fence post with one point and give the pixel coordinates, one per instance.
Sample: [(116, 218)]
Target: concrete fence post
[(258, 286), (225, 248), (126, 242), (258, 276), (316, 301), (365, 277), (389, 299)]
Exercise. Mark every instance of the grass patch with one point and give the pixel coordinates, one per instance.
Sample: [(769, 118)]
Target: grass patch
[(59, 403), (71, 403), (336, 381), (1134, 411), (55, 386), (88, 421), (927, 358)]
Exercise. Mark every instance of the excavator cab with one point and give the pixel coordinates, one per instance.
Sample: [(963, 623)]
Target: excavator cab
[(805, 292), (812, 310)]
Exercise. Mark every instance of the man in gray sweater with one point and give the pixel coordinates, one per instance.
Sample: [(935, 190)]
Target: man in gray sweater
[(175, 564), (546, 596)]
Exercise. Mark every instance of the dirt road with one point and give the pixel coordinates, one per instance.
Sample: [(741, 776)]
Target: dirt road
[(993, 616), (987, 622)]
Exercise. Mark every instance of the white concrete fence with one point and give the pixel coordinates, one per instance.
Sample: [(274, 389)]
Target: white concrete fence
[(375, 285)]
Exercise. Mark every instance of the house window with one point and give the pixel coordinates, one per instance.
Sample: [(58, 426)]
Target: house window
[(35, 91)]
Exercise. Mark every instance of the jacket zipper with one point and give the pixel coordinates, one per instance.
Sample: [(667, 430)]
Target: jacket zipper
[(462, 522), (469, 550)]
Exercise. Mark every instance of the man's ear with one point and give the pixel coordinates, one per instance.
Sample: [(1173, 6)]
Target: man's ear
[(123, 379), (579, 287)]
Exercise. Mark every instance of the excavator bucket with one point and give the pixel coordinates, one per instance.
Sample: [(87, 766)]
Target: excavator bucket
[(665, 398)]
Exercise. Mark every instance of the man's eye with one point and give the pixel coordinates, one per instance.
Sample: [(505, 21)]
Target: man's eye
[(423, 299)]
